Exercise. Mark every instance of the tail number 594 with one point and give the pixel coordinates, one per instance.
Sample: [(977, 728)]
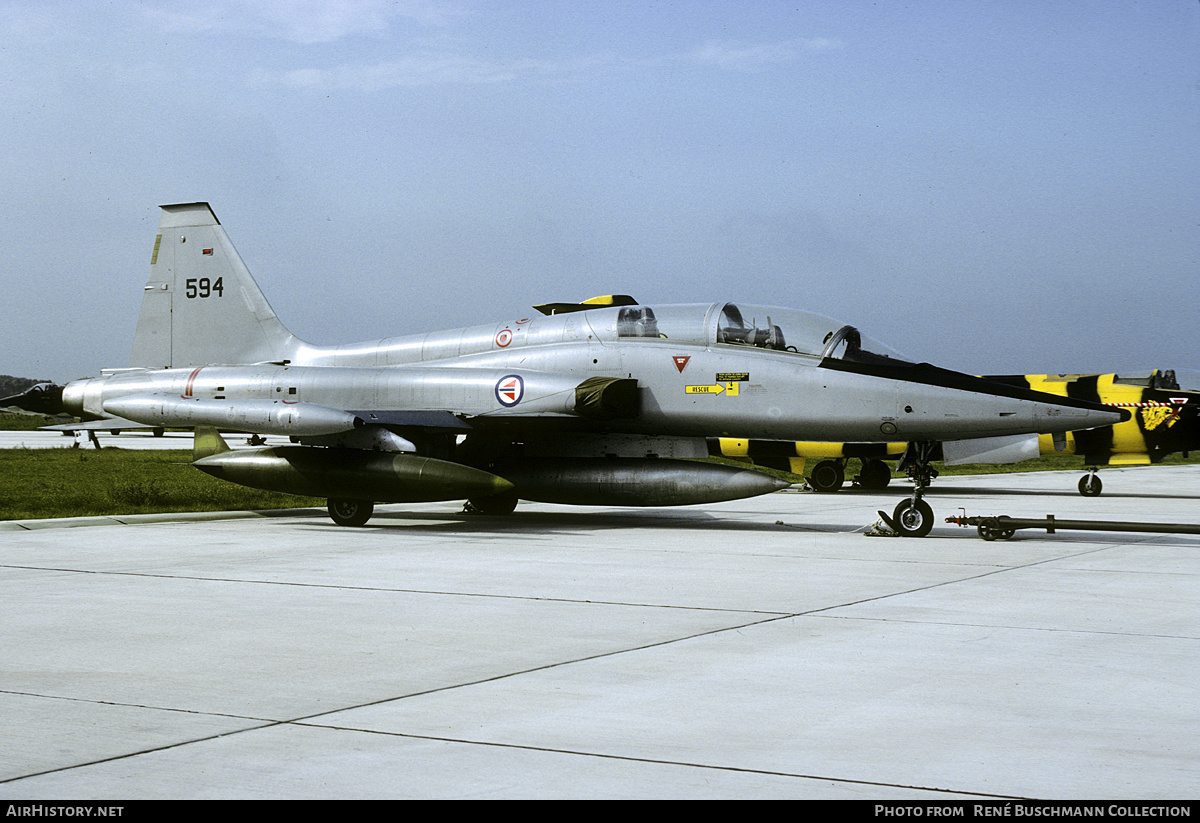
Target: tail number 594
[(203, 287)]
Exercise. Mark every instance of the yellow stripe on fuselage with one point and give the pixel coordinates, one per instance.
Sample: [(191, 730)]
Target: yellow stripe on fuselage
[(733, 447)]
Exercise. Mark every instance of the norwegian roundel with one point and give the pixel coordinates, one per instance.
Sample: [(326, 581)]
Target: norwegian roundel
[(510, 390)]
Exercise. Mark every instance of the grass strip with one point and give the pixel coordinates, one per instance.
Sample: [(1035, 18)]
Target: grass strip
[(44, 483)]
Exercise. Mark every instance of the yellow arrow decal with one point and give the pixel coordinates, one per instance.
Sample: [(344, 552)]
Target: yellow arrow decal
[(729, 389)]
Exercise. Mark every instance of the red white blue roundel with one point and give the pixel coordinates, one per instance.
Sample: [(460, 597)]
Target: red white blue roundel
[(510, 390)]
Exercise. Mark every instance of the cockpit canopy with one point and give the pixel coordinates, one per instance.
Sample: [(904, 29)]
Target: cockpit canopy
[(731, 324)]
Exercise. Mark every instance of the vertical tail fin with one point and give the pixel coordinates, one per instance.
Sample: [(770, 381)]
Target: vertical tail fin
[(201, 306)]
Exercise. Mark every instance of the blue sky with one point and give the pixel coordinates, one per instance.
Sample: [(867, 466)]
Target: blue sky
[(990, 186)]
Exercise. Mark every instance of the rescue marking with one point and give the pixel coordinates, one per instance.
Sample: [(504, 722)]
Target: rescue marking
[(729, 389), (503, 337), (510, 390), (681, 361), (728, 377)]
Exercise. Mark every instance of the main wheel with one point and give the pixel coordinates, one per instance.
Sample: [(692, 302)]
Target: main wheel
[(350, 512), (827, 476), (912, 520), (1090, 485), (875, 475), (503, 503)]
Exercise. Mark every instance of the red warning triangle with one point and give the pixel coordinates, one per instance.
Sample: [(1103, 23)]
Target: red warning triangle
[(681, 361)]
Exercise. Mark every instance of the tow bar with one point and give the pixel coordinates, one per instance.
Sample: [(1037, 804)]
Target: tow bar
[(1002, 527)]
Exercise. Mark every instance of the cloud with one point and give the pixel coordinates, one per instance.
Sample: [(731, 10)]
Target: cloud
[(420, 69), (300, 21), (430, 68), (754, 56), (426, 68)]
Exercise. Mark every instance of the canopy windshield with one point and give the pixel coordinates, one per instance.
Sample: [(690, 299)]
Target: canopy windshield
[(1167, 379), (741, 324)]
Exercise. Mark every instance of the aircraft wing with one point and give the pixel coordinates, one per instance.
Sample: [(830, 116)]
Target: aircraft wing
[(105, 424)]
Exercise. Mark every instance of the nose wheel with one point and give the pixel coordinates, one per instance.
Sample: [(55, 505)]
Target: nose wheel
[(912, 518)]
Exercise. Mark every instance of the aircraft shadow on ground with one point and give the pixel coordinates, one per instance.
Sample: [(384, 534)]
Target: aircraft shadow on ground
[(533, 523), (549, 523)]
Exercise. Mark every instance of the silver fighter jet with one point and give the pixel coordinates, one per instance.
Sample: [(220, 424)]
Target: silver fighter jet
[(606, 402)]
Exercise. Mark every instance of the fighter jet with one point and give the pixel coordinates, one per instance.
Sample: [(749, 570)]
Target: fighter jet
[(605, 402), (1165, 420)]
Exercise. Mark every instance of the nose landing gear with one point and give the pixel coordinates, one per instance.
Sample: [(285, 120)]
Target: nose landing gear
[(914, 517)]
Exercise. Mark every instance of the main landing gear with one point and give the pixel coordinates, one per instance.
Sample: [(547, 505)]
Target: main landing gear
[(875, 475), (350, 512), (914, 517), (1089, 484), (347, 512), (497, 504), (829, 475)]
